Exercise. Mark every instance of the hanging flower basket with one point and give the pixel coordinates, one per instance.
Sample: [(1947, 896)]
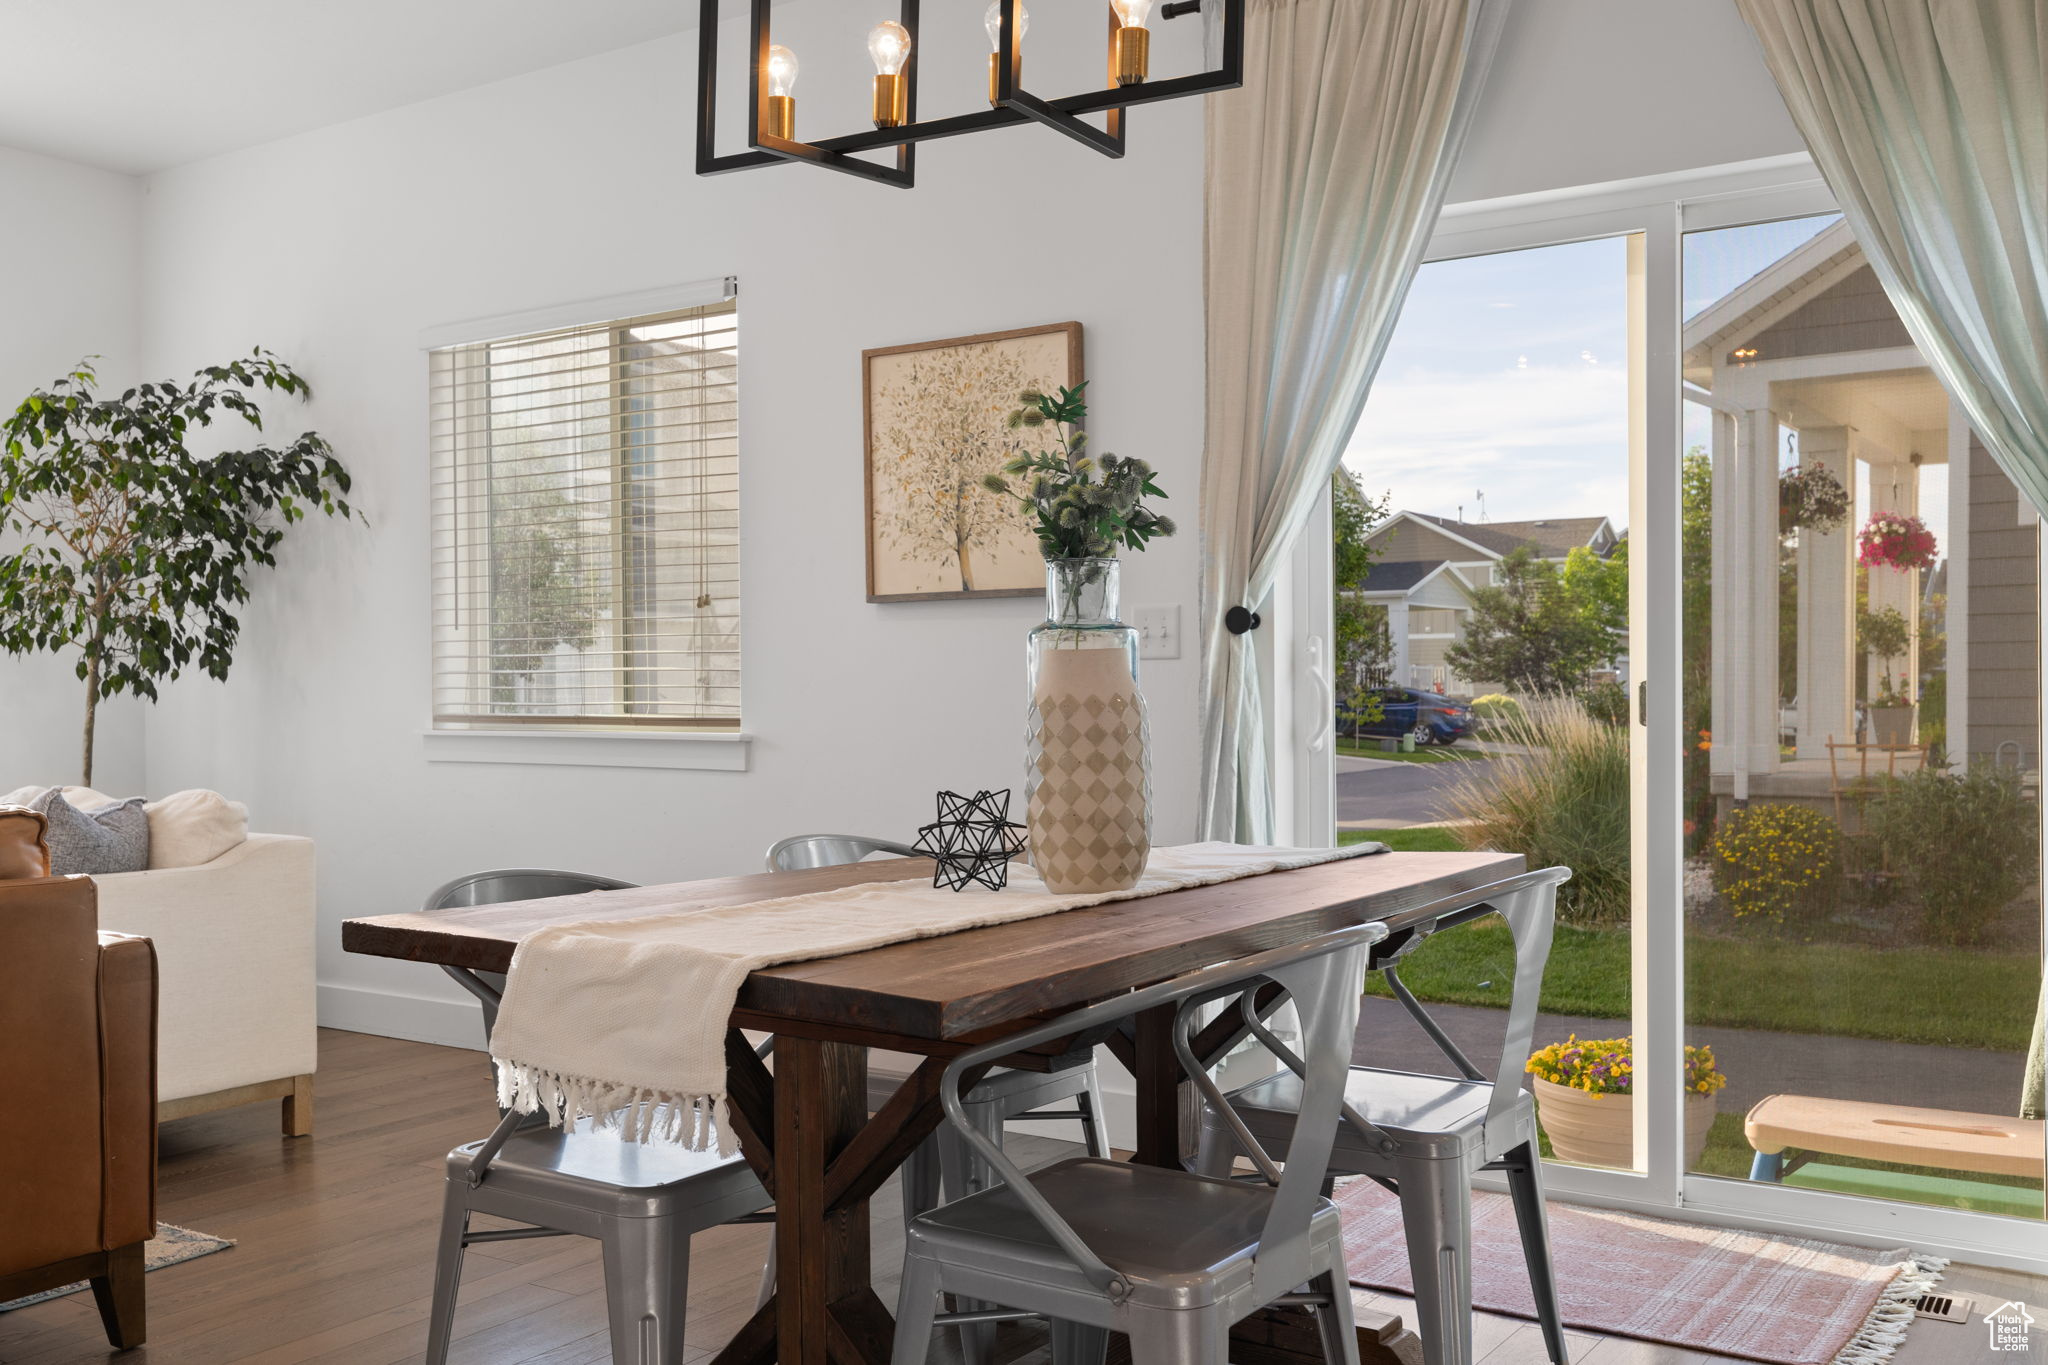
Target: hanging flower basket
[(1890, 540), (1811, 496)]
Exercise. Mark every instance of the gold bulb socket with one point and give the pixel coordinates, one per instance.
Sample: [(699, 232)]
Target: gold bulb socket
[(1130, 51), (892, 101), (780, 118), (995, 60)]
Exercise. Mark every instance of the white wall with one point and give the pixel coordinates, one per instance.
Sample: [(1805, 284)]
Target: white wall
[(336, 248), (70, 243), (1588, 91)]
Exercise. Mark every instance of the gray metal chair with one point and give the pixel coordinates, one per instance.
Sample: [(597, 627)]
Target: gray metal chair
[(943, 1165), (1423, 1137), (643, 1201), (495, 888), (1170, 1258)]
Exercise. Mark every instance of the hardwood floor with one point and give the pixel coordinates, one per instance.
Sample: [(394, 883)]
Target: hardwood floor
[(336, 1246)]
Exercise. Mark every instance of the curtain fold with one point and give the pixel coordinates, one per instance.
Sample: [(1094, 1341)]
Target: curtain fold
[(1929, 120), (1325, 174)]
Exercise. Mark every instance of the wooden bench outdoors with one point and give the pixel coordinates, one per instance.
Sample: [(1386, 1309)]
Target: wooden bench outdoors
[(1944, 1139)]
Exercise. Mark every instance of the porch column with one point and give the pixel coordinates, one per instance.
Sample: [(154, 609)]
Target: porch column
[(1895, 487), (1827, 608), (1397, 631), (1745, 573)]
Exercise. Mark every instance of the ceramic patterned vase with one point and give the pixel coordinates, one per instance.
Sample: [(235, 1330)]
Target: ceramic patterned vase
[(1088, 778)]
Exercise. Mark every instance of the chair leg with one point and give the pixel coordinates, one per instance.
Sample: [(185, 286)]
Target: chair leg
[(1076, 1343), (647, 1288), (124, 1309), (1189, 1337), (1436, 1215), (1335, 1323), (447, 1272), (966, 1173), (1215, 1147), (767, 1290), (921, 1177), (1525, 1184), (1095, 1126), (915, 1310)]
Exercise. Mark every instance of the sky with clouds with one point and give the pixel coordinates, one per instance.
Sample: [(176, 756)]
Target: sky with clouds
[(1506, 383)]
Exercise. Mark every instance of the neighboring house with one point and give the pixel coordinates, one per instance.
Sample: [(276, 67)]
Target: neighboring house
[(1811, 345), (1426, 565)]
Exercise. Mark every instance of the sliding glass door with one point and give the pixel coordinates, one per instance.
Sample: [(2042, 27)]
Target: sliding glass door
[(1863, 667), (1673, 563), (1486, 660)]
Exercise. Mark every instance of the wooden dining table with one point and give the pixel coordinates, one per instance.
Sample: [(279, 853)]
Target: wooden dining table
[(806, 1128)]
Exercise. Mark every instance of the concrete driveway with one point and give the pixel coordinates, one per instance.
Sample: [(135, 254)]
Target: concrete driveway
[(1378, 793)]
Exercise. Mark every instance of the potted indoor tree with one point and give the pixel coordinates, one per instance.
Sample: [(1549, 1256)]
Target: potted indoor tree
[(1583, 1099), (1887, 634), (124, 544)]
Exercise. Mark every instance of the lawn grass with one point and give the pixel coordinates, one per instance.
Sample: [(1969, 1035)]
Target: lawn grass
[(1943, 996), (1422, 839)]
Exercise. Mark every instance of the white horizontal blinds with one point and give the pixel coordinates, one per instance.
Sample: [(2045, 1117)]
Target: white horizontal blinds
[(586, 525)]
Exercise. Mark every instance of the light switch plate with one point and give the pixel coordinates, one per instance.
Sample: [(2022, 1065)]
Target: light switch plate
[(1158, 631)]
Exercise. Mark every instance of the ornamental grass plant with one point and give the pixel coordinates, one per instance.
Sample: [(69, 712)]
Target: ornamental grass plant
[(1565, 801)]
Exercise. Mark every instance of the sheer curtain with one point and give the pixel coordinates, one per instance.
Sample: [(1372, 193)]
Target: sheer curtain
[(1929, 119), (1325, 173)]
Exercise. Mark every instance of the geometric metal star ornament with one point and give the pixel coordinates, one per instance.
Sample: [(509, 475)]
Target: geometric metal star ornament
[(972, 841)]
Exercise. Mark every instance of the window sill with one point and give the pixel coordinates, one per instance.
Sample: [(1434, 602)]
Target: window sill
[(716, 752)]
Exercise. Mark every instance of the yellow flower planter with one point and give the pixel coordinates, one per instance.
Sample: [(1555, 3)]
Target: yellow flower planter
[(1599, 1130)]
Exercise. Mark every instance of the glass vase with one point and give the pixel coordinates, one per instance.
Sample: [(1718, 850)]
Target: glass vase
[(1088, 778)]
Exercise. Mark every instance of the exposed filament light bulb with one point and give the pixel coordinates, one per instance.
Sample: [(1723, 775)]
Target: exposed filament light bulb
[(780, 118), (1130, 46), (992, 20), (781, 71), (889, 45)]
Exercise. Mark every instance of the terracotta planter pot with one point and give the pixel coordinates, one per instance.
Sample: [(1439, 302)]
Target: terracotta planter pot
[(1891, 725), (1600, 1130)]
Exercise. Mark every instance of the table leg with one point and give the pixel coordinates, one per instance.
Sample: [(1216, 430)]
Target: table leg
[(1157, 1072), (826, 1159)]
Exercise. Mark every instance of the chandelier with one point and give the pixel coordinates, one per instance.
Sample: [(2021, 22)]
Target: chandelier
[(892, 45)]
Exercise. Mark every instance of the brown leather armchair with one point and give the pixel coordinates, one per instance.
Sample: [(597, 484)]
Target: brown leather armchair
[(78, 1058)]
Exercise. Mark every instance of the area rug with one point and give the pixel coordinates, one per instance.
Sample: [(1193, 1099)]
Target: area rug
[(170, 1246), (1729, 1291)]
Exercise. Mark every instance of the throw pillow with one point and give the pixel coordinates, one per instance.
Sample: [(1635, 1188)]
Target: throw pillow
[(22, 796), (189, 828), (112, 838)]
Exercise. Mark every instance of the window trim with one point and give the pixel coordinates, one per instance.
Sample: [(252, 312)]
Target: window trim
[(581, 741)]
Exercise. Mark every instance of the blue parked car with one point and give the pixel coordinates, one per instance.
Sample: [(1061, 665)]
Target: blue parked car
[(1428, 716)]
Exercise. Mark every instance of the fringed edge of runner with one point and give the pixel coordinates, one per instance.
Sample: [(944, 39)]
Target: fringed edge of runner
[(636, 1113), (1885, 1327)]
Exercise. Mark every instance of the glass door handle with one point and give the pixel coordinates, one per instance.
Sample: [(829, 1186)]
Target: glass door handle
[(1319, 674)]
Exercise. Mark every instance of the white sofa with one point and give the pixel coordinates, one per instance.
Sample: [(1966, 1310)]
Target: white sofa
[(234, 947)]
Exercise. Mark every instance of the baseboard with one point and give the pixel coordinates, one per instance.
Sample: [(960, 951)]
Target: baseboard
[(416, 1018)]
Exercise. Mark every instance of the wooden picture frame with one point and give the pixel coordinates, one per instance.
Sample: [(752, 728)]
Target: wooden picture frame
[(934, 419)]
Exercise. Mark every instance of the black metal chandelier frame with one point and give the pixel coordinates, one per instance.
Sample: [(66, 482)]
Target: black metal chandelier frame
[(1012, 104)]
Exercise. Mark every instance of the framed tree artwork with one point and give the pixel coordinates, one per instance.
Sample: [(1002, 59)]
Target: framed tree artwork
[(937, 422)]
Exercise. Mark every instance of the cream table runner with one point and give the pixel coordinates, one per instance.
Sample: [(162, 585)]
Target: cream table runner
[(627, 1020)]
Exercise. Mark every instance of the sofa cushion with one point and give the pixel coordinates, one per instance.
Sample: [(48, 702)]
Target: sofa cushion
[(23, 854), (189, 828), (110, 838)]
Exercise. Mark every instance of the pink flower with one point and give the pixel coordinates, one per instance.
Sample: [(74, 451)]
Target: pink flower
[(1892, 540)]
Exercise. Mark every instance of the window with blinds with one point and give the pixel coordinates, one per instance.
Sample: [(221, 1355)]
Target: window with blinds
[(586, 526)]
